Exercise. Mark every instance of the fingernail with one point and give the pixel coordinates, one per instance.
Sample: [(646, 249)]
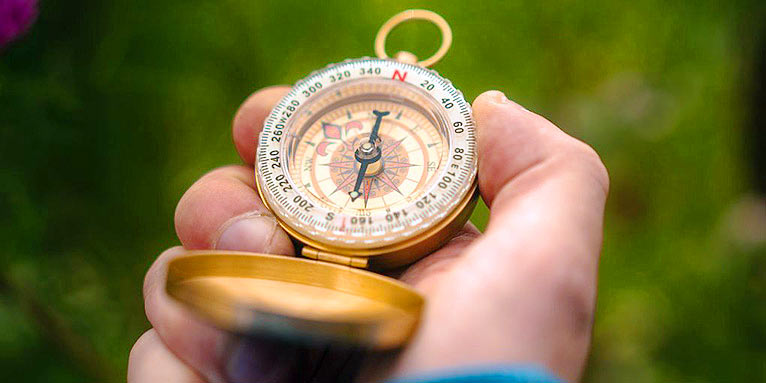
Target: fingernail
[(499, 97), (250, 232), (259, 360)]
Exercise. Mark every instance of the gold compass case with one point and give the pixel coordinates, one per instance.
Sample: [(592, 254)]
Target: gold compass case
[(369, 164)]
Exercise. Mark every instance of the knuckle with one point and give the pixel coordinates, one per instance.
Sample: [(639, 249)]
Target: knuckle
[(590, 162), (572, 291), (191, 194), (193, 202), (195, 191), (141, 347), (598, 167), (149, 286), (154, 278), (184, 215)]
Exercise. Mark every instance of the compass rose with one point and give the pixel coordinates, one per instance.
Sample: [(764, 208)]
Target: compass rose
[(394, 164)]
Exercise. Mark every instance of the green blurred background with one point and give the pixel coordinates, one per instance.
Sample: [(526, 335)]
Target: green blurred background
[(109, 110)]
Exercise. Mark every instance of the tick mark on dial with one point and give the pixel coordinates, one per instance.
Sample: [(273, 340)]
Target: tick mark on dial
[(367, 188)]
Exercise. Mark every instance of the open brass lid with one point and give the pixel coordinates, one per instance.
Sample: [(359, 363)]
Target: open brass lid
[(251, 293)]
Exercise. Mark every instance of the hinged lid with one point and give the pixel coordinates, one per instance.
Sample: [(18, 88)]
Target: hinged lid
[(358, 262), (294, 297)]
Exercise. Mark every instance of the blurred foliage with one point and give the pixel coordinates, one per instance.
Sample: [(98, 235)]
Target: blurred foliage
[(110, 110)]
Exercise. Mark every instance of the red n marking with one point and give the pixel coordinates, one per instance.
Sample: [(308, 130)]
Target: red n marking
[(398, 75)]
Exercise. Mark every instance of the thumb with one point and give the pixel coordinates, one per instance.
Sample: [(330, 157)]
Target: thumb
[(534, 268), (514, 142)]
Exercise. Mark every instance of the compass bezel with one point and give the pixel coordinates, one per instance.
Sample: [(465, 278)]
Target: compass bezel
[(445, 213)]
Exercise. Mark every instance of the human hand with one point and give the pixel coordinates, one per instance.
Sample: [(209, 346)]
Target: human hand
[(521, 293)]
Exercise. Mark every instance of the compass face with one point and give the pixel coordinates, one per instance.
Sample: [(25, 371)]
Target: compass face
[(367, 154)]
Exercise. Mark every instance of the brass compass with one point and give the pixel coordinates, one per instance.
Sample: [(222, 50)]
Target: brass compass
[(370, 164)]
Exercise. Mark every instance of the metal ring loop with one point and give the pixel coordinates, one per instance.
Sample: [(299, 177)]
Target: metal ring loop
[(415, 14)]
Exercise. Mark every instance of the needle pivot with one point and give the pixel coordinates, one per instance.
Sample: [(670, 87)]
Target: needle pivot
[(367, 154)]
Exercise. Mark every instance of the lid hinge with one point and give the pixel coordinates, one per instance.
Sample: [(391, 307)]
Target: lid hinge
[(345, 260)]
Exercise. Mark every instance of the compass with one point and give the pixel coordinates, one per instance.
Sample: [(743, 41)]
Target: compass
[(368, 164), (370, 159)]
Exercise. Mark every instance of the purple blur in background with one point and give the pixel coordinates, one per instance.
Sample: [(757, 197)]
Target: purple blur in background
[(16, 16)]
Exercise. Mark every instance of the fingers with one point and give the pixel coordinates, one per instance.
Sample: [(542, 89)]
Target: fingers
[(212, 353), (151, 362), (195, 343), (249, 119), (223, 211)]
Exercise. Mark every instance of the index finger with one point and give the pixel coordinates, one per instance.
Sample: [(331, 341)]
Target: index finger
[(249, 119)]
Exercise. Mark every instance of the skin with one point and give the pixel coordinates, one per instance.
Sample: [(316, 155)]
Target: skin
[(521, 293)]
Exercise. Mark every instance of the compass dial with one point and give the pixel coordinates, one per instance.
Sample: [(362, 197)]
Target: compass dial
[(366, 154), (324, 164)]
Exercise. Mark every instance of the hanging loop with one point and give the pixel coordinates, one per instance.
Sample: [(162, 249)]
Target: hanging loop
[(409, 15)]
